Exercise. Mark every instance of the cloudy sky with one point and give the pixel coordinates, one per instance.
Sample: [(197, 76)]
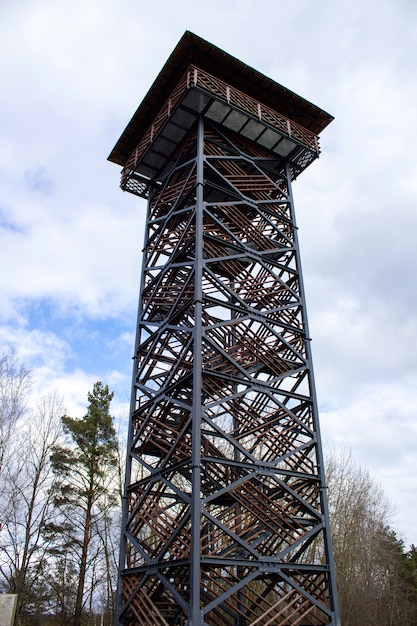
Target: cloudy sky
[(73, 73)]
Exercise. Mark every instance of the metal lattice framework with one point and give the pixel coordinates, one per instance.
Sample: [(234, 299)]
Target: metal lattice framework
[(225, 520)]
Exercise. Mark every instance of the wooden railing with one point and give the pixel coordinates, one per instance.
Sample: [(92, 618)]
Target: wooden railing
[(200, 79)]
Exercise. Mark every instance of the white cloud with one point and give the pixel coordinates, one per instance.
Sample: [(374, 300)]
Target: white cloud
[(51, 360), (378, 423), (85, 259)]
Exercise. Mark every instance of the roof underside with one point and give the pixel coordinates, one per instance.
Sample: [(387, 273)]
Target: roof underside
[(192, 50)]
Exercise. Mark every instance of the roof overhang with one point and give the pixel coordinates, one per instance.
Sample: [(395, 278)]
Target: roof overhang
[(191, 50)]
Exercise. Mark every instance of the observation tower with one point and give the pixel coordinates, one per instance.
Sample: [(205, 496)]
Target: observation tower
[(225, 518)]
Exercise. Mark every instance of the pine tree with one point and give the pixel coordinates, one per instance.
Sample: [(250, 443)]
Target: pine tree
[(84, 490)]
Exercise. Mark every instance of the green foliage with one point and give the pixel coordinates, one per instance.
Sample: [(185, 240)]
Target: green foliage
[(82, 466), (93, 443), (410, 574), (85, 490)]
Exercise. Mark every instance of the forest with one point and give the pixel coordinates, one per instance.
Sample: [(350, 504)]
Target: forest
[(60, 510)]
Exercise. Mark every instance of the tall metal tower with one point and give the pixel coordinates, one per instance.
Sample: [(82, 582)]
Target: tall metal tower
[(225, 519)]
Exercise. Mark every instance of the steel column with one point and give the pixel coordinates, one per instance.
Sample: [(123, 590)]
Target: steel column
[(196, 617)]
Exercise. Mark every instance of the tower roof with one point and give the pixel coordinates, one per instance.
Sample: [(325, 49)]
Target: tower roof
[(193, 50)]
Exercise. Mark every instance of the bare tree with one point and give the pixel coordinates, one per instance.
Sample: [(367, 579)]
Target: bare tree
[(15, 386), (369, 558), (28, 477)]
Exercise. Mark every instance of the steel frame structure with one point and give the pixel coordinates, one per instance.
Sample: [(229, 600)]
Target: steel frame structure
[(225, 519)]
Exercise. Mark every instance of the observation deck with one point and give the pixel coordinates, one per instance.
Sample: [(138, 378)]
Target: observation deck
[(199, 78)]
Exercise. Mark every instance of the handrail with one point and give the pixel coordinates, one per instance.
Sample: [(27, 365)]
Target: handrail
[(240, 100), (200, 79)]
